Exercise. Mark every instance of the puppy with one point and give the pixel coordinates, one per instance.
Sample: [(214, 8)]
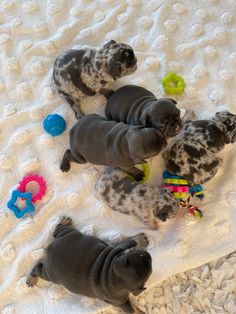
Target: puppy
[(129, 197), (84, 72), (193, 156), (136, 105), (88, 266), (98, 141)]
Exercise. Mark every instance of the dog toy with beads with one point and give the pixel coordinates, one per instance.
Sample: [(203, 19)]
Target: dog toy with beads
[(181, 190)]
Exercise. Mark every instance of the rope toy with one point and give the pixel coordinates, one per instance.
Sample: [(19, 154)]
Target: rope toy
[(181, 191), (146, 171), (30, 199), (173, 84)]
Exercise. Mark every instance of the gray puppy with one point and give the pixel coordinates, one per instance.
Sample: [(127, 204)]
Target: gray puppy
[(122, 194), (193, 156), (136, 105), (84, 72), (98, 141), (86, 265)]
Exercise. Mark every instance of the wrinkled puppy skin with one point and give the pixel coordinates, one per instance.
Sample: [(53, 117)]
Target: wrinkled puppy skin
[(98, 141), (107, 272), (122, 194), (85, 72), (136, 105), (194, 155)]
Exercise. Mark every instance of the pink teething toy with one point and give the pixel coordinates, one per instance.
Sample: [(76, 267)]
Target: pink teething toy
[(33, 178)]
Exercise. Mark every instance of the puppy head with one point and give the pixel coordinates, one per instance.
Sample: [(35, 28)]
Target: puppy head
[(167, 206), (133, 267), (163, 115), (121, 60), (229, 122), (144, 143)]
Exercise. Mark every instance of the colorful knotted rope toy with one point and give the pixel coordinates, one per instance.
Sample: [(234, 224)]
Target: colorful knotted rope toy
[(21, 193), (181, 190), (173, 84)]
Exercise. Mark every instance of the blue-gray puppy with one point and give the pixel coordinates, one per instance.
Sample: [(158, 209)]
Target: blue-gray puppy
[(135, 105), (98, 141), (86, 265)]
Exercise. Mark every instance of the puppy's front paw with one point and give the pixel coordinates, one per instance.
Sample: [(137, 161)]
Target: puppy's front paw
[(66, 221), (31, 281), (141, 239), (189, 115)]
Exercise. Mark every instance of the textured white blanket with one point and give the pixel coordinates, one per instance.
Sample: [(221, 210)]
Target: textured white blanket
[(196, 39)]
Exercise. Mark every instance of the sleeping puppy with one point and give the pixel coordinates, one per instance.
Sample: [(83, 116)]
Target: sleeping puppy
[(84, 72), (129, 197), (106, 272), (193, 156), (98, 141), (136, 105)]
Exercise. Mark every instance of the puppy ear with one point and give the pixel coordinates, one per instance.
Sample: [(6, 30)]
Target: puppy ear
[(109, 43), (173, 101), (120, 265), (114, 68), (138, 291), (146, 120)]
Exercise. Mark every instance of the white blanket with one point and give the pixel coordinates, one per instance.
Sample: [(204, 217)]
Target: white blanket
[(197, 40)]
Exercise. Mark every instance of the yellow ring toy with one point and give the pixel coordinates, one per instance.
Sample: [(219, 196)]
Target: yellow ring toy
[(145, 168), (173, 84)]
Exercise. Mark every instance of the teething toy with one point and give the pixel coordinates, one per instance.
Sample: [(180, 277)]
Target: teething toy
[(19, 213), (33, 178), (54, 124), (173, 84), (145, 168), (181, 191), (21, 192)]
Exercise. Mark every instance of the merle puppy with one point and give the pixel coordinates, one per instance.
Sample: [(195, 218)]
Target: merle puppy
[(122, 194), (193, 156), (98, 141), (136, 105), (88, 266), (84, 72)]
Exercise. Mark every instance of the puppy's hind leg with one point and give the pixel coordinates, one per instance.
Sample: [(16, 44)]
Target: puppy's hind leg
[(64, 227), (36, 272), (127, 307), (67, 158)]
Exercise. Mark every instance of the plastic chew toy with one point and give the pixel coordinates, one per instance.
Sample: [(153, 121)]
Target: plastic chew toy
[(29, 208), (145, 168), (181, 190), (30, 199), (54, 124), (173, 84), (33, 178)]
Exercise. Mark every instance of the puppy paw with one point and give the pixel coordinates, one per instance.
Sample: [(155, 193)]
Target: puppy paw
[(141, 239), (66, 221), (65, 167), (189, 115), (31, 281)]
